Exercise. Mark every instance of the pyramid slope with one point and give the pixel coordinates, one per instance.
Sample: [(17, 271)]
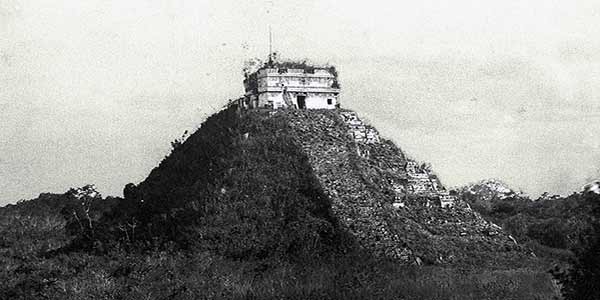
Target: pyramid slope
[(256, 176)]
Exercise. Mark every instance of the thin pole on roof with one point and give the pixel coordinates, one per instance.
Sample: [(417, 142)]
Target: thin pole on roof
[(270, 5), (270, 42)]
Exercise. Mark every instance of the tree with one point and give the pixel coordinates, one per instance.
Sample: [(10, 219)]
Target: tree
[(79, 214)]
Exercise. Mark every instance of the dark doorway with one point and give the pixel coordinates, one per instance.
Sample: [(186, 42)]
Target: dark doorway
[(301, 102)]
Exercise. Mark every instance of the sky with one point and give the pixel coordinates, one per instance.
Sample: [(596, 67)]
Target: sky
[(94, 91)]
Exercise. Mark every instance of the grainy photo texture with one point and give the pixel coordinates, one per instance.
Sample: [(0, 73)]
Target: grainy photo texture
[(316, 149)]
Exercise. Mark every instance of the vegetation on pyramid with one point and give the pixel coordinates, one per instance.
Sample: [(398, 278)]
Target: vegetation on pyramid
[(238, 186), (285, 183), (267, 204)]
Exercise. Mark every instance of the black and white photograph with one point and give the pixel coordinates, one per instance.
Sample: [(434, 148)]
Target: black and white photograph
[(299, 149)]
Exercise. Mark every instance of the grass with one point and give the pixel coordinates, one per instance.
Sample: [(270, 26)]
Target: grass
[(203, 275)]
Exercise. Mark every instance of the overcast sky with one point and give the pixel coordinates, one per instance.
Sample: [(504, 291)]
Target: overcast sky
[(94, 91)]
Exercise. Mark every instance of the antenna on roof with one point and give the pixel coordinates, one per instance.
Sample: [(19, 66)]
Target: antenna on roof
[(270, 45), (272, 57)]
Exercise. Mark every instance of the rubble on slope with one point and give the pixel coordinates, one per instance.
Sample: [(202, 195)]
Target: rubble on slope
[(366, 181)]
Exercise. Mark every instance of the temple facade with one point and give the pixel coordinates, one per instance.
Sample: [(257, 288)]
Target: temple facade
[(291, 85)]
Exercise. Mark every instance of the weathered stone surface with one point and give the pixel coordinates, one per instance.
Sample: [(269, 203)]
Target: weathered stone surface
[(366, 182)]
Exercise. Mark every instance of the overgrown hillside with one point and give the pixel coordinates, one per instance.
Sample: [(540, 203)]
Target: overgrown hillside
[(266, 182), (240, 187), (265, 205)]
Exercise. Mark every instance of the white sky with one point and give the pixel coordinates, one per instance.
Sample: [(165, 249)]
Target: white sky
[(94, 91)]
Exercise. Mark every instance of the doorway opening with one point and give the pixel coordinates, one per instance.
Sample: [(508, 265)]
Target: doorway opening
[(301, 102)]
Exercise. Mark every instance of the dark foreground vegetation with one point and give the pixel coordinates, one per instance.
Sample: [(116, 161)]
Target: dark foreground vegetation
[(235, 212), (563, 231), (39, 261)]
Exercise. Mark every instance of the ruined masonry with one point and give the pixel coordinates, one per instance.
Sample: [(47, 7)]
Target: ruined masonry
[(389, 203), (330, 151), (371, 199), (418, 180), (359, 131), (289, 85)]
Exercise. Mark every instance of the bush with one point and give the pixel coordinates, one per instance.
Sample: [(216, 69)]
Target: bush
[(582, 279)]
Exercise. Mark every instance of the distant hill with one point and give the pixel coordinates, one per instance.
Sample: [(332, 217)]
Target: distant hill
[(592, 187), (483, 193), (550, 225)]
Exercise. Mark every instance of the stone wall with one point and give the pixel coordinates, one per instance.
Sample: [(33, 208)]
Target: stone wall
[(366, 182), (361, 132), (333, 153)]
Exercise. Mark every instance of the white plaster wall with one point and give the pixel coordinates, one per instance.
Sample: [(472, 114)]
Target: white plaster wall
[(309, 80), (320, 102), (275, 98), (312, 101)]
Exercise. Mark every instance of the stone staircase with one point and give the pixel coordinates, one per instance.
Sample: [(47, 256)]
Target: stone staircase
[(364, 176), (361, 132)]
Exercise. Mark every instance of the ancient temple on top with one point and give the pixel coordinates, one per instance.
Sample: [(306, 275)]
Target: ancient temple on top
[(297, 85), (300, 85)]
